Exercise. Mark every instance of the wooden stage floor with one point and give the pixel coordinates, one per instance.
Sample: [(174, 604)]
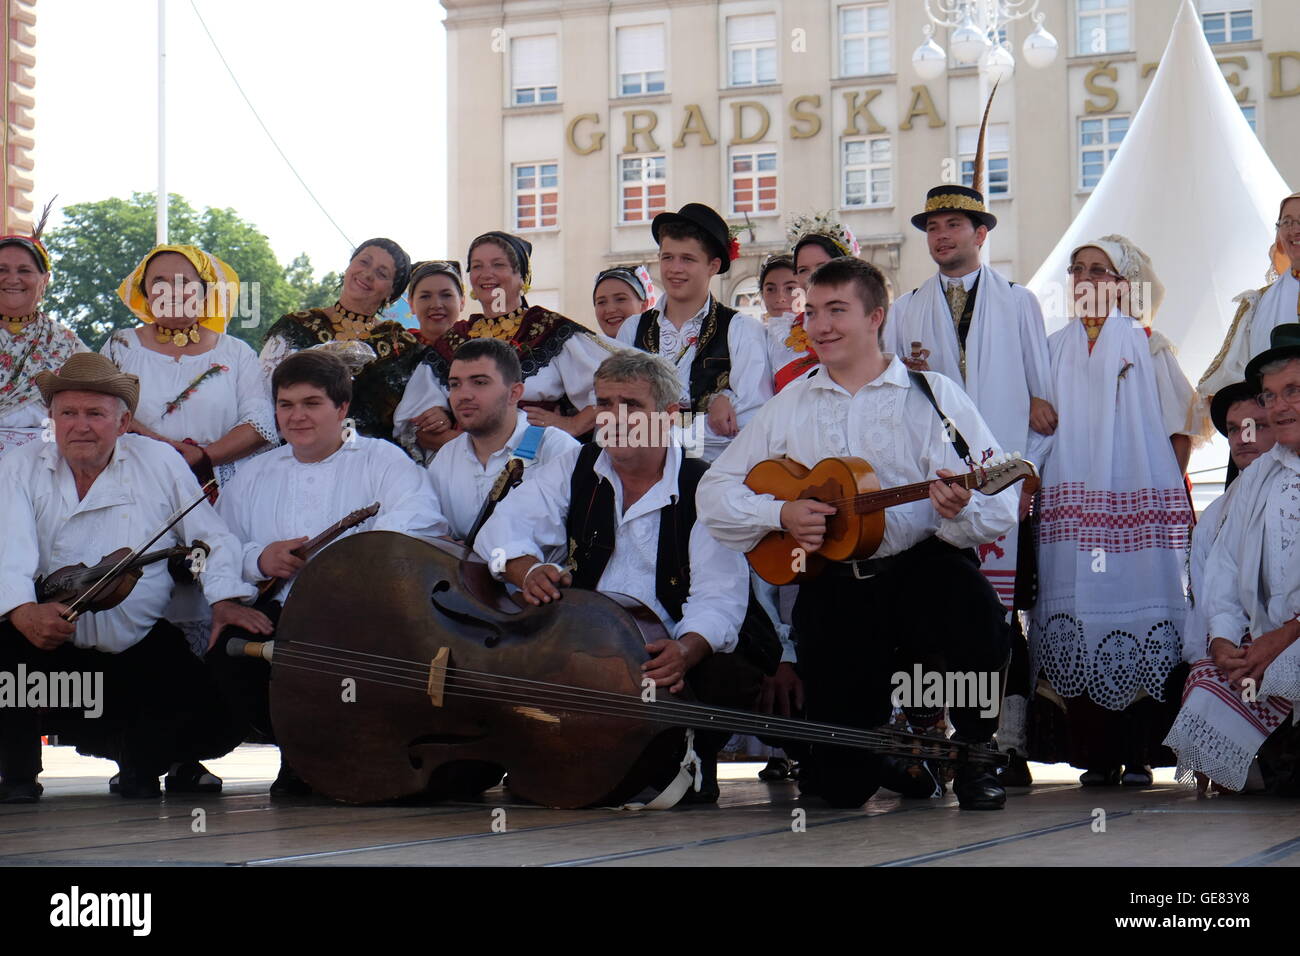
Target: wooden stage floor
[(755, 824)]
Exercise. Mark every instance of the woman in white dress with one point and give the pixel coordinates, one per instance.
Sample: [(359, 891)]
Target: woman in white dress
[(201, 390), (1115, 520), (30, 341)]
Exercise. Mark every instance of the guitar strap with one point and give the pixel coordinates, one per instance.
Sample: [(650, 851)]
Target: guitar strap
[(958, 443), (530, 443)]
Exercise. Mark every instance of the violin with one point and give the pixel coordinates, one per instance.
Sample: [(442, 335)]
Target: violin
[(858, 525), (395, 660), (65, 585)]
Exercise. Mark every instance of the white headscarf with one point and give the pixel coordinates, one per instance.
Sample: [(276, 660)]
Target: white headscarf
[(1134, 265)]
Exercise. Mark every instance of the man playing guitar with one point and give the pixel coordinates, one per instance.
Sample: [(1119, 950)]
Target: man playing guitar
[(859, 623)]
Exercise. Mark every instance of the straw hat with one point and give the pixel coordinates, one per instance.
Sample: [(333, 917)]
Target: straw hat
[(90, 372)]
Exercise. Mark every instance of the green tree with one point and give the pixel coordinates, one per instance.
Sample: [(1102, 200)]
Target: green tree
[(100, 243), (312, 293)]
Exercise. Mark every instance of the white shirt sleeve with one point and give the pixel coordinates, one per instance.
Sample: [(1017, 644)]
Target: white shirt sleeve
[(751, 369), (1177, 397), (531, 519), (409, 504), (422, 393), (19, 549), (235, 506), (577, 364), (737, 517), (985, 517), (626, 334), (719, 593), (254, 389), (1222, 604)]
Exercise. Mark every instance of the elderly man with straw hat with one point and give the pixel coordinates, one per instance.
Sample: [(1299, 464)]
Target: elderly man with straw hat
[(85, 491)]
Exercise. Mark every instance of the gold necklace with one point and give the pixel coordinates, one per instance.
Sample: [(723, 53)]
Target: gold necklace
[(349, 325), (502, 327), (177, 337), (16, 323)]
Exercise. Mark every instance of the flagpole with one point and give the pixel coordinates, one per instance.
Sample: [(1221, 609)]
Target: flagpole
[(161, 198)]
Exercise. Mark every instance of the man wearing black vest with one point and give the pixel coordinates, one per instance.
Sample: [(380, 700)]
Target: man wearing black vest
[(719, 353), (626, 509)]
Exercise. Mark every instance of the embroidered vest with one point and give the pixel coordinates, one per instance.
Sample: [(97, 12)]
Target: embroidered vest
[(711, 367)]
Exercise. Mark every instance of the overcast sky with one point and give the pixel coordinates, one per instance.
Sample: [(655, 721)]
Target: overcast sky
[(353, 92)]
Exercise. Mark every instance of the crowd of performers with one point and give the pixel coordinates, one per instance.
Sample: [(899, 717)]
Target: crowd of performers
[(1125, 634)]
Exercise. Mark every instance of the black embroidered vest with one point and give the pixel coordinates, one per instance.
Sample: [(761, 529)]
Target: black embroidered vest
[(711, 367)]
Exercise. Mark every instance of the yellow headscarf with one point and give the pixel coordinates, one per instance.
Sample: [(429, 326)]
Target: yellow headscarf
[(221, 281)]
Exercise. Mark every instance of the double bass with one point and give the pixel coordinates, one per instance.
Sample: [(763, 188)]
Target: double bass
[(396, 659)]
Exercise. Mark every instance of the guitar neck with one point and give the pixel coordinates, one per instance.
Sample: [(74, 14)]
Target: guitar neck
[(889, 497)]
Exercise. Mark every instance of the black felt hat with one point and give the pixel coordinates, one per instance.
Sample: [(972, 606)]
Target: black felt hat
[(954, 198), (1285, 342), (1225, 398), (704, 218)]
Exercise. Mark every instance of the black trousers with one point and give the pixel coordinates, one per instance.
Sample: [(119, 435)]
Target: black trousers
[(160, 705), (245, 682), (854, 635), (723, 680)]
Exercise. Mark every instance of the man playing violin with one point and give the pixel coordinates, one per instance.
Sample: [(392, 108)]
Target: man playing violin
[(88, 490), (625, 507), (281, 498), (921, 595)]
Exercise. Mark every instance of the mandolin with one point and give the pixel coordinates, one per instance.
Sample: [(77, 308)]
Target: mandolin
[(858, 525), (271, 586)]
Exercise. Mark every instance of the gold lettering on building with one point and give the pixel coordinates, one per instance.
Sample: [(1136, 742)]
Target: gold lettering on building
[(1109, 95), (922, 105), (805, 116), (738, 108), (636, 130), (1278, 90), (597, 138), (1234, 78), (861, 111), (694, 125)]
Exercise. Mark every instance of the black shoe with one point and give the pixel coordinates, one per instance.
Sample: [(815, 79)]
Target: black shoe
[(289, 784), (911, 778), (138, 785), (778, 768), (708, 792), (1137, 776), (22, 791), (1100, 777), (191, 777), (1016, 773), (977, 787)]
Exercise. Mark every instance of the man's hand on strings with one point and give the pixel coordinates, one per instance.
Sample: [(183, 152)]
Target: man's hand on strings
[(948, 499), (670, 660), (805, 519)]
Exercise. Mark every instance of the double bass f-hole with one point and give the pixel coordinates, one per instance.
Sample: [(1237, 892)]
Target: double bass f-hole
[(466, 620)]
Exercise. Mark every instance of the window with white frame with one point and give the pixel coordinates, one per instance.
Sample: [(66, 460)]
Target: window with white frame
[(643, 187), (1248, 110), (640, 58), (751, 49), (1103, 26), (864, 39), (537, 195), (867, 172), (747, 298), (1099, 139), (753, 180), (534, 70), (1228, 21), (997, 164)]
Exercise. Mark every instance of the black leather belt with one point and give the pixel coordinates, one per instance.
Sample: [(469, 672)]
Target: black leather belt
[(864, 567)]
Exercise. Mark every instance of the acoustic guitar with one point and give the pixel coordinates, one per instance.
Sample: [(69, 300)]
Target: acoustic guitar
[(856, 529)]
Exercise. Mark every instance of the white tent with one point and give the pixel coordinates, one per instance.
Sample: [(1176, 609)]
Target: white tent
[(1192, 185)]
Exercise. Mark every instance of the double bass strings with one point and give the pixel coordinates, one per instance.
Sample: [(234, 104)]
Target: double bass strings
[(474, 685)]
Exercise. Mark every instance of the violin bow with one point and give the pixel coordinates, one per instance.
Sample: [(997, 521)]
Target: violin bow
[(72, 613)]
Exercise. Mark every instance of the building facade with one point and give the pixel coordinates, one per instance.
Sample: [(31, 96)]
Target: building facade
[(19, 20), (573, 122)]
